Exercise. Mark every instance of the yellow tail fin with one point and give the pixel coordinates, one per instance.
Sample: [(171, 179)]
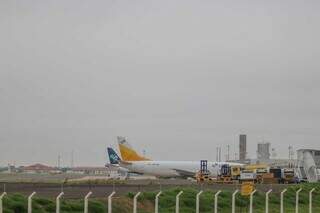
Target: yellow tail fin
[(127, 152)]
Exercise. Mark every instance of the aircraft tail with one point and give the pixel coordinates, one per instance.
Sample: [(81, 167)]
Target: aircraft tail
[(127, 152), (113, 156)]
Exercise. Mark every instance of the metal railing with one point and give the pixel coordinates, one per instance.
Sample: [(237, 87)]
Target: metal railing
[(310, 206)]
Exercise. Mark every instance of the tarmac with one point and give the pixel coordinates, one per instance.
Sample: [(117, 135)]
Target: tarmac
[(75, 191)]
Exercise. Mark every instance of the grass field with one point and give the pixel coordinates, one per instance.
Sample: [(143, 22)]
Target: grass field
[(16, 203)]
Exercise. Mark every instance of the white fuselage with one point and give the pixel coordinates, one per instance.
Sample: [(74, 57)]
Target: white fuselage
[(172, 168)]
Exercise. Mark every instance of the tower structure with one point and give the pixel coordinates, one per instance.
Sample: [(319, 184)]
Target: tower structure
[(242, 147)]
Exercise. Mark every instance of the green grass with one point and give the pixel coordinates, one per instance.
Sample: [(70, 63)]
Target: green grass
[(188, 203), (16, 203)]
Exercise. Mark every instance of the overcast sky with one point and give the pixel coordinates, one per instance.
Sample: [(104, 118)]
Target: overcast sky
[(178, 78)]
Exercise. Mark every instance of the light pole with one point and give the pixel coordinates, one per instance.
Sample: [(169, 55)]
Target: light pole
[(234, 201), (30, 202), (110, 202), (177, 201), (156, 202), (135, 202), (58, 202), (310, 200), (1, 204), (198, 202), (86, 198), (216, 201), (281, 200), (267, 200), (297, 200), (251, 201)]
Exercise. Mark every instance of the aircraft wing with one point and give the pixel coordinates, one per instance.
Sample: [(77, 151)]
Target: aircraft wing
[(184, 173)]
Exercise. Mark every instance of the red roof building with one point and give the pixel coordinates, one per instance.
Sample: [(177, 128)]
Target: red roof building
[(39, 168)]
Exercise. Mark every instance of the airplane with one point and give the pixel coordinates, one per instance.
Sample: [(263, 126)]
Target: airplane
[(136, 163)]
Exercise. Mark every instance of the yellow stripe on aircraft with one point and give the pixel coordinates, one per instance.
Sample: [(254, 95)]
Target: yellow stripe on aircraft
[(129, 154)]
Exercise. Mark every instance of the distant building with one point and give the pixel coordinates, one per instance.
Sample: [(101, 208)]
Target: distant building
[(93, 170), (263, 152), (242, 147), (12, 168), (273, 162), (39, 168), (9, 169), (3, 169)]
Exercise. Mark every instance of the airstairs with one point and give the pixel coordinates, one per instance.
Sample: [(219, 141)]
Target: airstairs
[(306, 167)]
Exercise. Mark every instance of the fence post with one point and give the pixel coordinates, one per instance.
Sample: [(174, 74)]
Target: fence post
[(281, 200), (310, 200), (1, 205), (30, 202), (297, 200), (251, 201), (58, 202), (234, 201), (177, 201), (216, 201), (198, 202), (86, 198), (110, 202), (135, 202), (267, 200), (156, 202)]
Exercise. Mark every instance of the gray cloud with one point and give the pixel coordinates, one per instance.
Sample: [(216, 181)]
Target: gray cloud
[(178, 78)]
